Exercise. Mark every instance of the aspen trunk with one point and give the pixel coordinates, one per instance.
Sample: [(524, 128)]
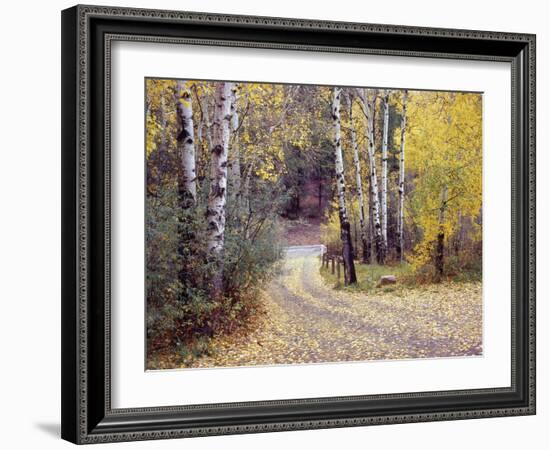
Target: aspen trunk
[(384, 202), (358, 181), (186, 146), (207, 124), (440, 243), (199, 133), (345, 232), (370, 227), (246, 188), (163, 147), (401, 207), (187, 191), (234, 165), (378, 241), (215, 212)]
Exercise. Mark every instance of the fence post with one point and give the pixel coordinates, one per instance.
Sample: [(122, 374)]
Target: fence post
[(332, 265), (338, 269)]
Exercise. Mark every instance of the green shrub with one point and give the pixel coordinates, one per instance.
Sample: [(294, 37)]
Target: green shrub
[(181, 315)]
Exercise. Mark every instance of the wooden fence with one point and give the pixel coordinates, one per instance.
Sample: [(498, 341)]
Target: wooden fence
[(334, 262)]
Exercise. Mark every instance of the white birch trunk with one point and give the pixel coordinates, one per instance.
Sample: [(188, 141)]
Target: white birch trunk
[(401, 212), (384, 212), (370, 225), (338, 160), (207, 124), (215, 212), (234, 166), (187, 191), (345, 232), (368, 107), (186, 146), (199, 132), (358, 180)]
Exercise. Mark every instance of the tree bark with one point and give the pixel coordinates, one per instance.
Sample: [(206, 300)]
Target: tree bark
[(345, 232), (208, 125), (358, 180), (368, 108), (215, 212), (370, 227), (234, 164), (440, 243), (187, 191), (401, 208), (384, 202), (186, 146)]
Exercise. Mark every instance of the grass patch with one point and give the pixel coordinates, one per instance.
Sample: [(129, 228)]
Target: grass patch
[(368, 276)]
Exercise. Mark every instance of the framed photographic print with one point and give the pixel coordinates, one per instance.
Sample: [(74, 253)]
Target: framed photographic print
[(281, 224)]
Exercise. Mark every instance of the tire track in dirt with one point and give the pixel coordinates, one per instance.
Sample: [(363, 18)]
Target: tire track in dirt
[(309, 322)]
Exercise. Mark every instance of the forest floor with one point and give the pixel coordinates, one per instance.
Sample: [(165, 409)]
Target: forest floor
[(306, 320)]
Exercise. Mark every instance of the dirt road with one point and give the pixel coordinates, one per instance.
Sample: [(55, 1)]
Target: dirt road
[(310, 322)]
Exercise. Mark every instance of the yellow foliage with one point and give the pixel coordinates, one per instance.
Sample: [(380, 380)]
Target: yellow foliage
[(444, 154), (330, 231)]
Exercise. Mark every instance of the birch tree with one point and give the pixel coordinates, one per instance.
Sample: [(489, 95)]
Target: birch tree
[(204, 95), (215, 213), (358, 180), (401, 207), (384, 196), (234, 164), (370, 226), (207, 125), (345, 231), (187, 180), (186, 146), (368, 105)]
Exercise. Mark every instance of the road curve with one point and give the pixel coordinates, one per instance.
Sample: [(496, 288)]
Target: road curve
[(307, 321)]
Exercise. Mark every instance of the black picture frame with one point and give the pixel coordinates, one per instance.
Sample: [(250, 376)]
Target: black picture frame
[(87, 32)]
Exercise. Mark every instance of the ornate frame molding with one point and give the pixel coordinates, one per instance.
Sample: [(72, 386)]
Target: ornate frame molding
[(78, 425)]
